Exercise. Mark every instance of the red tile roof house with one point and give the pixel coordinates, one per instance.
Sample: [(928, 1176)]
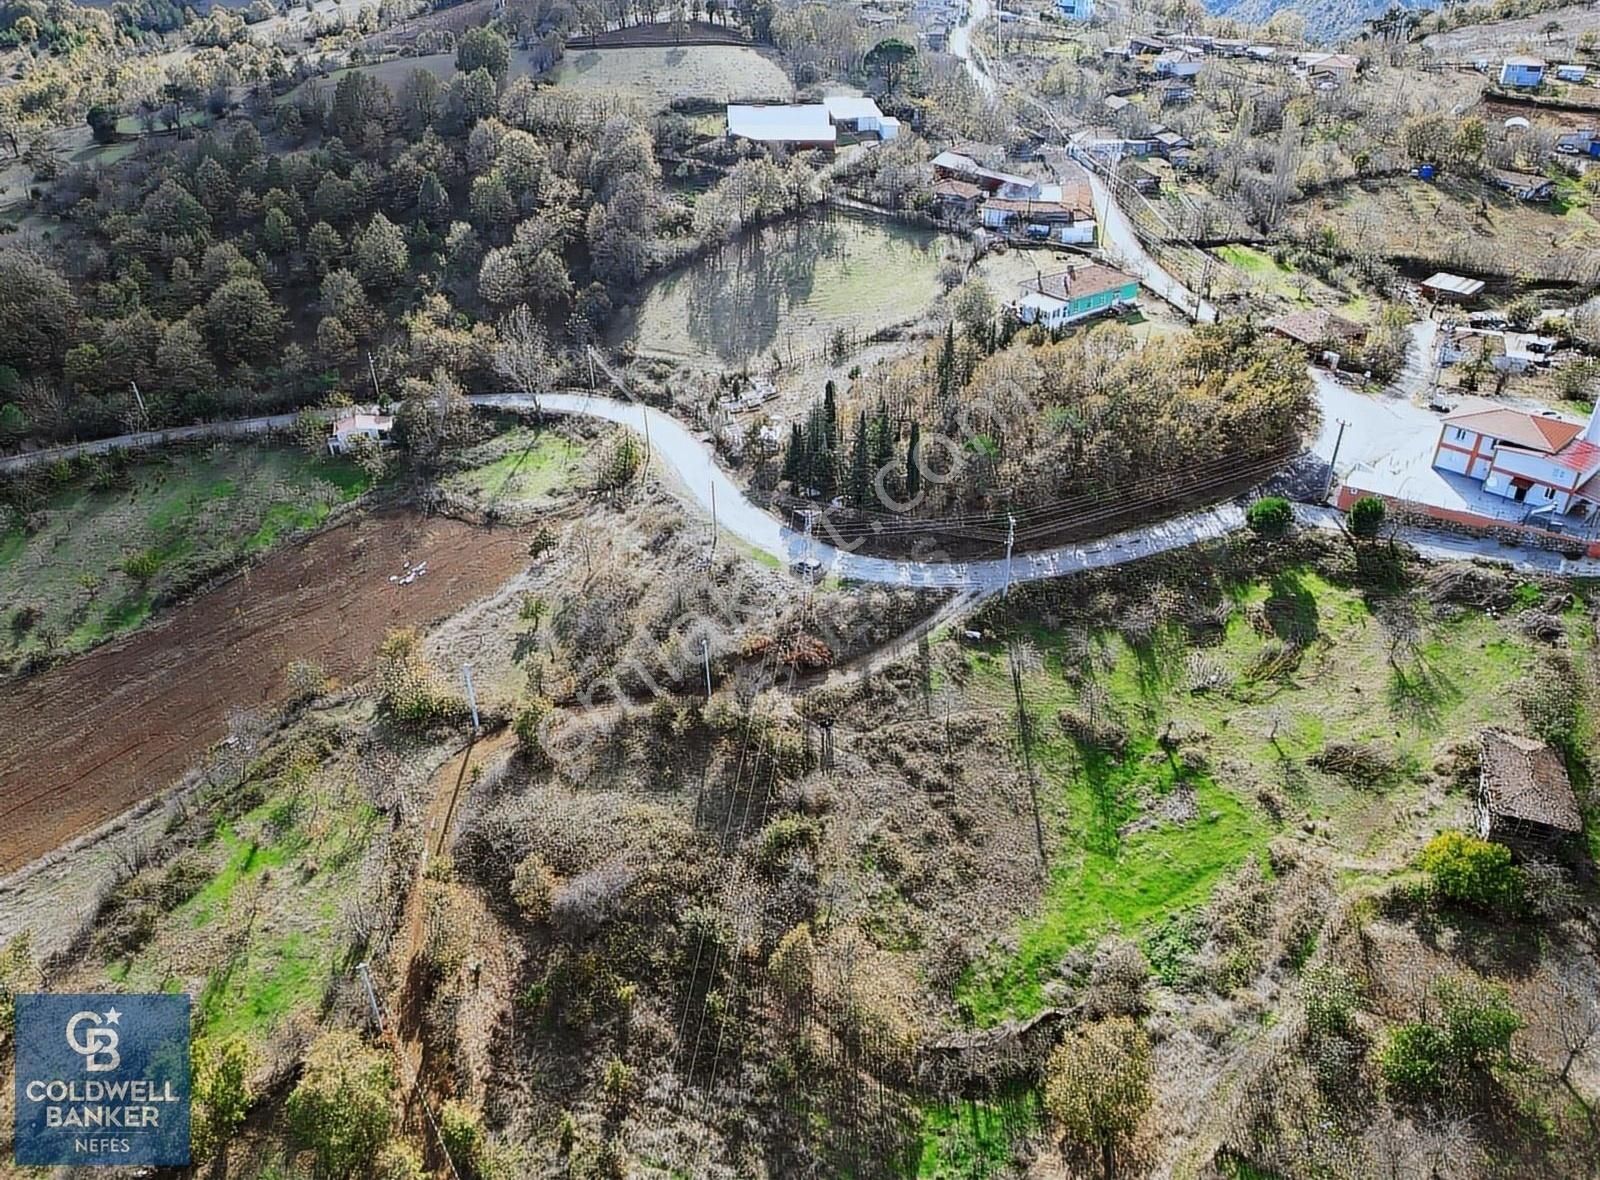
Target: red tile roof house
[(1539, 460)]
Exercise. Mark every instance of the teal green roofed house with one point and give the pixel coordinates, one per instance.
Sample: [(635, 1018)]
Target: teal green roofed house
[(1076, 294)]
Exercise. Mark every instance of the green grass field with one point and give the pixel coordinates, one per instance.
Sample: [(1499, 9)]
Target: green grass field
[(656, 76), (520, 468), (93, 561), (260, 939), (1105, 876)]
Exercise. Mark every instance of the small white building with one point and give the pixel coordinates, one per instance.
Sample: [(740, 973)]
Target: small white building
[(1571, 73), (798, 127), (1541, 460), (860, 115), (349, 427), (1522, 72), (1178, 63)]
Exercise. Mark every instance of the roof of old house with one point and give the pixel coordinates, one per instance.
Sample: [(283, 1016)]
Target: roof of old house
[(1506, 178), (351, 423), (1315, 326), (950, 186), (1523, 59), (1041, 209), (1525, 779), (1534, 432), (1080, 282)]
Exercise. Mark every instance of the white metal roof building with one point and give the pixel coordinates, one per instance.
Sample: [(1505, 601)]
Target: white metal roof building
[(805, 125)]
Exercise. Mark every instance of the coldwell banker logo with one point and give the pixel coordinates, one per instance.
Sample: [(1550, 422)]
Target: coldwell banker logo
[(102, 1080)]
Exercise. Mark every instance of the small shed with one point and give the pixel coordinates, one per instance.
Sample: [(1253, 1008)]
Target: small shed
[(1522, 72), (1525, 186), (1571, 73), (1524, 795), (356, 425), (1444, 287)]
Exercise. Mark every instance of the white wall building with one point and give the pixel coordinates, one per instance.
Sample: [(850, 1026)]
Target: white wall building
[(1541, 460)]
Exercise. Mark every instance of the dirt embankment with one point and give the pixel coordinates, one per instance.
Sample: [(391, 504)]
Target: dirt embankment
[(84, 741)]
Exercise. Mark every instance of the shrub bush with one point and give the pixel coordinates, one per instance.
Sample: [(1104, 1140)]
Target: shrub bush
[(1269, 517), (1474, 872), (1366, 516), (1460, 1047), (461, 1129), (342, 1107)]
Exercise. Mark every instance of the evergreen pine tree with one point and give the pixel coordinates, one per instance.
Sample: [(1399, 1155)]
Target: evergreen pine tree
[(947, 364), (830, 414), (860, 465), (882, 438), (795, 459)]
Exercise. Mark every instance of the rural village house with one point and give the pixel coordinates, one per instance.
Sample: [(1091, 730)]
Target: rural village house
[(351, 426), (1524, 795), (1056, 300), (1540, 460), (1318, 330), (1522, 72)]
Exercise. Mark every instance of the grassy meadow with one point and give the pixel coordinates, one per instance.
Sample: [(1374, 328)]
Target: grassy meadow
[(102, 552)]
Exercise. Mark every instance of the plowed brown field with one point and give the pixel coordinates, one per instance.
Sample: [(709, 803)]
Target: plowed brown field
[(86, 740)]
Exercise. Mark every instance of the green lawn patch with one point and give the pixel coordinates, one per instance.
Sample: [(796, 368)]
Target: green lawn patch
[(112, 544), (522, 466), (967, 1140)]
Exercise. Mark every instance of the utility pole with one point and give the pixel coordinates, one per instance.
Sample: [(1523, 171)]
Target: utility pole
[(589, 352), (365, 971), (372, 370), (1011, 540), (144, 414), (472, 696), (705, 656), (712, 556), (1025, 740), (1337, 442)]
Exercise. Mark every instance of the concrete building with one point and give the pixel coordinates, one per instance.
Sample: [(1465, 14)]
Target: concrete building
[(862, 116), (1542, 460)]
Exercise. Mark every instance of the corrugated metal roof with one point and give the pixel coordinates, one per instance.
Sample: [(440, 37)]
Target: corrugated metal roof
[(782, 124)]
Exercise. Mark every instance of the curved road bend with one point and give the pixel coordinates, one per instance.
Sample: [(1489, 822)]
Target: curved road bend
[(676, 446)]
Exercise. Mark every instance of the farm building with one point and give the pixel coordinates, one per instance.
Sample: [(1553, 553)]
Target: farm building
[(1524, 794), (794, 127), (1060, 216), (1571, 73), (352, 426), (1178, 63), (1525, 186), (862, 116), (1522, 72), (1171, 91), (954, 197), (1444, 287), (1318, 329), (1071, 295), (1584, 142), (1541, 460), (1076, 9)]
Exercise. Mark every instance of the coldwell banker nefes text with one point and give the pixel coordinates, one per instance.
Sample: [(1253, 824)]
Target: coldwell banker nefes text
[(102, 1080)]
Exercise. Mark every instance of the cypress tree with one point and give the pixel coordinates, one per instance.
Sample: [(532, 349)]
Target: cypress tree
[(860, 465), (794, 459), (914, 461), (947, 364), (830, 414), (882, 438)]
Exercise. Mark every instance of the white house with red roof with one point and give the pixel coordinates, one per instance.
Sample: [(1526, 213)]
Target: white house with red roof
[(1538, 459)]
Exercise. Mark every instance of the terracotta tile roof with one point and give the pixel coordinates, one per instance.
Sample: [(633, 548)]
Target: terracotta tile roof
[(962, 189), (1580, 454), (1315, 326), (1534, 432), (1524, 779), (1081, 282)]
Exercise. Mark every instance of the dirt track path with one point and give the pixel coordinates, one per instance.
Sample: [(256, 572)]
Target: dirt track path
[(86, 740)]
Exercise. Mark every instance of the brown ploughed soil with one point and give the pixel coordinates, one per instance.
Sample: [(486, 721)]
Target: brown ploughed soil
[(86, 740)]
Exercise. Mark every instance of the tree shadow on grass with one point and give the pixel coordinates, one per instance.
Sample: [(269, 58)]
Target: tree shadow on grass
[(1420, 691), (1291, 610)]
